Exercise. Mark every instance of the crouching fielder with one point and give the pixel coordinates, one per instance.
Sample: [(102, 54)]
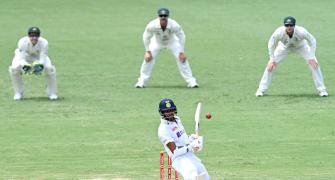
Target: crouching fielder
[(164, 32), (291, 39), (31, 56), (178, 145)]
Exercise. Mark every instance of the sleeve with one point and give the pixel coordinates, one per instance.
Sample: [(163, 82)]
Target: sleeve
[(273, 41), (44, 53), (164, 136), (22, 52), (147, 35), (181, 36), (181, 150), (311, 42)]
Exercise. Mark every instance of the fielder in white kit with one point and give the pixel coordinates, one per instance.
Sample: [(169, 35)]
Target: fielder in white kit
[(164, 32), (178, 145), (31, 57), (292, 39)]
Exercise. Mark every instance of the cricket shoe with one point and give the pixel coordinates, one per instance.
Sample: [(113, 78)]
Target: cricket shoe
[(323, 93), (139, 85), (53, 97), (259, 93), (18, 96), (193, 85)]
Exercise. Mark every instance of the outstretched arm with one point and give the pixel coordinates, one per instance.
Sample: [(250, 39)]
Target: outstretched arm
[(273, 41), (147, 35), (181, 37), (44, 53), (22, 53), (312, 44), (311, 41)]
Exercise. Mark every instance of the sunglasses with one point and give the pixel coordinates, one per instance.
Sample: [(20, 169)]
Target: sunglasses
[(33, 35), (163, 15), (289, 25)]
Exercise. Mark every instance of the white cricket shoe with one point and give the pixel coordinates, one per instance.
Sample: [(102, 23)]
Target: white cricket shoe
[(53, 97), (139, 84), (193, 85), (259, 93), (323, 93), (17, 96)]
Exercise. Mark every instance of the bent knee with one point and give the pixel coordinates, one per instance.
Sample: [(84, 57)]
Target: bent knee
[(50, 69), (14, 69)]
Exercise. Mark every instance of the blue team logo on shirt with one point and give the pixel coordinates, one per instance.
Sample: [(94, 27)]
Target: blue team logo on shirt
[(180, 133)]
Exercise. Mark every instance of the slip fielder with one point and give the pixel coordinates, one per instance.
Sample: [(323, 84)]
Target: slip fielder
[(291, 39), (164, 32)]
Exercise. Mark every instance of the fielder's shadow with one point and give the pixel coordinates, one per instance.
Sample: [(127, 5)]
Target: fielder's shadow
[(44, 98), (314, 95), (168, 87)]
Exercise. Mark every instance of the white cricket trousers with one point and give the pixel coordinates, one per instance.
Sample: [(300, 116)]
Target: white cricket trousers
[(190, 166), (280, 53), (184, 68), (15, 71)]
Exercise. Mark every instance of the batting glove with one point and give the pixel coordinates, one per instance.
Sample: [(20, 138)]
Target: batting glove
[(197, 144), (192, 137)]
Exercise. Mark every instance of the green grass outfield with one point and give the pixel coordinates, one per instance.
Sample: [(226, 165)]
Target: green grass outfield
[(104, 128)]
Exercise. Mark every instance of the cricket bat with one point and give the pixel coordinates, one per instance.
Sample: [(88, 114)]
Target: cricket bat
[(197, 118)]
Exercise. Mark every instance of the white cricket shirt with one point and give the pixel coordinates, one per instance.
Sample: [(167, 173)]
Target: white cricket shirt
[(29, 52), (173, 32), (172, 132), (299, 38)]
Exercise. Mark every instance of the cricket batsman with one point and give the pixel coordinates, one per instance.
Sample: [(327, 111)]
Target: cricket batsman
[(164, 32), (178, 145), (31, 57), (291, 39)]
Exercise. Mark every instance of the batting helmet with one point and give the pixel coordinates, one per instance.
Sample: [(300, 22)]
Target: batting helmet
[(166, 105), (34, 31), (163, 12), (289, 21)]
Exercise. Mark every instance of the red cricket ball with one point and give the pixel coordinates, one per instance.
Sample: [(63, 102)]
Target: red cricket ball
[(208, 115)]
